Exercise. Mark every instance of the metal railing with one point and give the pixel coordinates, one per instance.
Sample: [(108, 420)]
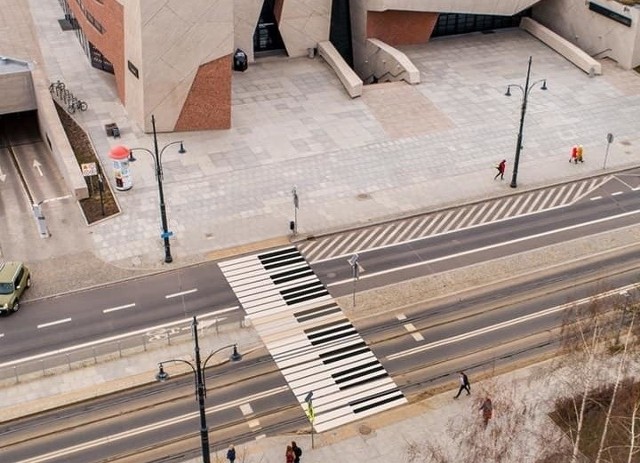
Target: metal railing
[(104, 350)]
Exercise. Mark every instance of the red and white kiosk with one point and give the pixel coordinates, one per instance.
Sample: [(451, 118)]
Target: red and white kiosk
[(119, 155)]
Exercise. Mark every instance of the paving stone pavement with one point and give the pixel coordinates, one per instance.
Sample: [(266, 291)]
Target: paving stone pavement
[(396, 151)]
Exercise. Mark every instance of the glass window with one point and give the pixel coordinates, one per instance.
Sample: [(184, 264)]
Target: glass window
[(6, 288)]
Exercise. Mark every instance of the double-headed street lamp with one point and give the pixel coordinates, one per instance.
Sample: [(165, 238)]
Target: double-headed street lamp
[(157, 158), (525, 94), (198, 368)]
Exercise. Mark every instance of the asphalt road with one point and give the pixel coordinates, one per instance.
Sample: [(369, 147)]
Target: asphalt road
[(478, 331), (52, 324)]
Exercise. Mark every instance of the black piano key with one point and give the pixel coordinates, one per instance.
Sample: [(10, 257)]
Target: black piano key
[(380, 398)]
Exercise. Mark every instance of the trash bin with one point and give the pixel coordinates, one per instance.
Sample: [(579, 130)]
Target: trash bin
[(240, 62)]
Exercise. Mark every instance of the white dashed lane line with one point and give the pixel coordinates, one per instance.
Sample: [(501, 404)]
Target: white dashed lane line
[(1, 335), (595, 198), (617, 193), (410, 328), (181, 293), (57, 322), (120, 307)]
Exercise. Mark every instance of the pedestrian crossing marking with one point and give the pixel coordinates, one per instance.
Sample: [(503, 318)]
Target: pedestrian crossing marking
[(447, 221), (312, 342)]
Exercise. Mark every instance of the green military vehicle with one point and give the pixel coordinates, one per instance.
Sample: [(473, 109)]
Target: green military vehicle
[(14, 280)]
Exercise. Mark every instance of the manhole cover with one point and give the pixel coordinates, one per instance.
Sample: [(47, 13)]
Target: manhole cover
[(625, 142), (363, 196), (364, 430)]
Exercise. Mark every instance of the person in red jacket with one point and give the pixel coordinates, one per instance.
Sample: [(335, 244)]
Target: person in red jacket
[(501, 168), (574, 154)]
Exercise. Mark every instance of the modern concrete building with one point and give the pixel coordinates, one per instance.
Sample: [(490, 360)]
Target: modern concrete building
[(174, 59)]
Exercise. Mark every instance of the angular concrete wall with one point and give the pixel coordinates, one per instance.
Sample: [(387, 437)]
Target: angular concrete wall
[(594, 33), (303, 24), (17, 89), (387, 64), (245, 19), (173, 44)]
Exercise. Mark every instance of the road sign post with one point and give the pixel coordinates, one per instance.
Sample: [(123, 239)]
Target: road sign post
[(606, 154), (355, 270), (296, 206), (311, 415)]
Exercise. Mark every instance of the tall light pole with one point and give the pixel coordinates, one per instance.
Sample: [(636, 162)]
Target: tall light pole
[(201, 390), (525, 94), (157, 158)]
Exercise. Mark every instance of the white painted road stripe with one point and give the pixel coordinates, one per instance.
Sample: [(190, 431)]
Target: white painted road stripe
[(505, 324), (617, 193), (181, 293), (115, 338), (120, 307), (594, 198), (1, 335), (150, 427), (485, 248), (57, 322)]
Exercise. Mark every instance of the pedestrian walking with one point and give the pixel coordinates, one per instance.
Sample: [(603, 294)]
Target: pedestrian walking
[(501, 168), (231, 454), (579, 154), (574, 154), (487, 411), (465, 385), (290, 457), (297, 452)]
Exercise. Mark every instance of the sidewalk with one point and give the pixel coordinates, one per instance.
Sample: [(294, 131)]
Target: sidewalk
[(397, 150)]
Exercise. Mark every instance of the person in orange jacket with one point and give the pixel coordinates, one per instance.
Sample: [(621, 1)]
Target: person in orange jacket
[(579, 154)]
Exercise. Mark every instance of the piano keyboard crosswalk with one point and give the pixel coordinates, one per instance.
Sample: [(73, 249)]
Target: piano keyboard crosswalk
[(315, 346)]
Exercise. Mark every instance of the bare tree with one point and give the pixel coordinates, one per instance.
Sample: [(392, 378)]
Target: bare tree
[(621, 367), (514, 432)]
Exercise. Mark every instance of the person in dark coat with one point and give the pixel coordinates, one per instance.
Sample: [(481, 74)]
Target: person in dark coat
[(465, 385), (297, 451), (231, 454)]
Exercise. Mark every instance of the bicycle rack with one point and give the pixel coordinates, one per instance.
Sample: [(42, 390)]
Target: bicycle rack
[(66, 98)]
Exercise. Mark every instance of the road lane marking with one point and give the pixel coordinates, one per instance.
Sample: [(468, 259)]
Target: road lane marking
[(617, 193), (505, 324), (254, 424), (58, 198), (413, 331), (246, 409), (115, 338), (594, 198), (486, 248), (120, 307), (181, 293), (149, 427), (57, 322), (1, 335)]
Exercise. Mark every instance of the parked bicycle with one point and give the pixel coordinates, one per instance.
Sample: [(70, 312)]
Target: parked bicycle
[(77, 104), (56, 87)]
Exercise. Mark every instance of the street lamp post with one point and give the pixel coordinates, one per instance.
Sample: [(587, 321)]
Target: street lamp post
[(157, 159), (198, 368), (525, 94)]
